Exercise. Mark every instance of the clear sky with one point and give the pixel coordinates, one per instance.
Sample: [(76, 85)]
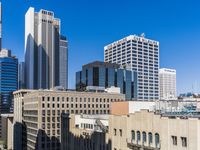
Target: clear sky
[(91, 24)]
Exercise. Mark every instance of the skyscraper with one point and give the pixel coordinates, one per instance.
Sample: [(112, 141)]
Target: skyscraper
[(8, 81), (167, 83), (141, 55), (63, 62), (0, 27), (21, 78), (42, 50)]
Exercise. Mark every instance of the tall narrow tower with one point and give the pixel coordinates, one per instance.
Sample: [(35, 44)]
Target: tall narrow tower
[(42, 49), (0, 27)]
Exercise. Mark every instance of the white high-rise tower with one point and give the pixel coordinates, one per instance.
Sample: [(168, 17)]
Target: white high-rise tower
[(167, 83), (141, 55)]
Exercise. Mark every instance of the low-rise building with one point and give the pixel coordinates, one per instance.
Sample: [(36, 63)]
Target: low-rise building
[(85, 132), (153, 130), (40, 111), (136, 125)]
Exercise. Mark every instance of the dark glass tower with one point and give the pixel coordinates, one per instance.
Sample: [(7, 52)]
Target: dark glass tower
[(105, 75), (8, 80)]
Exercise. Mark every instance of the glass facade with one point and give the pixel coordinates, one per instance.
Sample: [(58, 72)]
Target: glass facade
[(8, 82), (106, 75)]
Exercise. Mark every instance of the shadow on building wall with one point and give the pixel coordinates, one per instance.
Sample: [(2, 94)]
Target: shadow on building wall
[(45, 142), (19, 136), (86, 141)]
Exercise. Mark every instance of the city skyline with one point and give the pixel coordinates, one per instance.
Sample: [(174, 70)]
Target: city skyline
[(84, 39)]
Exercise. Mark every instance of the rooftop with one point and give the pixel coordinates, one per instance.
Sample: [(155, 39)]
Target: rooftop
[(101, 64)]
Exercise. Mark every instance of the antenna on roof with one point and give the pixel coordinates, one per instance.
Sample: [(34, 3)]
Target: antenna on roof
[(142, 35)]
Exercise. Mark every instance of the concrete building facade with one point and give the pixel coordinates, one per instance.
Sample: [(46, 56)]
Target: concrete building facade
[(85, 132), (41, 110), (141, 55), (151, 130)]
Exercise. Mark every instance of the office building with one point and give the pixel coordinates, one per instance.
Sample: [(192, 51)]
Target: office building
[(134, 125), (8, 81), (38, 112), (141, 55), (19, 142), (106, 75), (63, 62), (0, 27), (21, 77), (167, 82), (43, 43), (7, 130), (153, 130), (85, 132)]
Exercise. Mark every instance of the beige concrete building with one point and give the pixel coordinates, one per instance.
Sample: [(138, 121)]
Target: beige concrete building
[(7, 126), (39, 113), (135, 125), (85, 132), (152, 130), (18, 126)]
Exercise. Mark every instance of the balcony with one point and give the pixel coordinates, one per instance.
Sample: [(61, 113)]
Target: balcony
[(139, 145)]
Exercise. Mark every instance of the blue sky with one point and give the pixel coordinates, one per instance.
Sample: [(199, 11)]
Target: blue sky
[(89, 25)]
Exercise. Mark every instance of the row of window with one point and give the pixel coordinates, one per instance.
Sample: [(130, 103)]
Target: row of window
[(76, 105), (183, 141), (78, 111), (76, 99), (136, 137), (47, 13)]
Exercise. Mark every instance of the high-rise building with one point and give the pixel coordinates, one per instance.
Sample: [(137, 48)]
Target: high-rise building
[(0, 26), (63, 62), (8, 81), (141, 55), (167, 83), (106, 75), (42, 50), (21, 78)]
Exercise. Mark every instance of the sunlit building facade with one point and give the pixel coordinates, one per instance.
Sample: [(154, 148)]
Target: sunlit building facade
[(141, 55), (103, 74)]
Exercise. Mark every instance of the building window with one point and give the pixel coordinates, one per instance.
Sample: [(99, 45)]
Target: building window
[(138, 136), (120, 132), (174, 140), (157, 140), (115, 132), (150, 138), (96, 76), (184, 141), (144, 137), (133, 135)]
